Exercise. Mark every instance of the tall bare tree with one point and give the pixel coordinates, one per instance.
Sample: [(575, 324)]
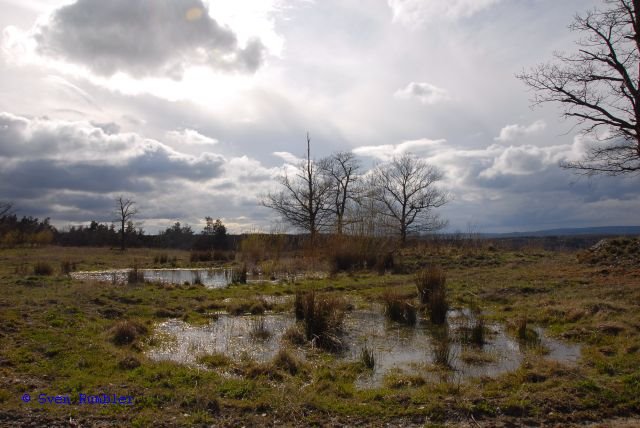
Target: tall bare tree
[(125, 211), (304, 200), (405, 189), (599, 86), (341, 170)]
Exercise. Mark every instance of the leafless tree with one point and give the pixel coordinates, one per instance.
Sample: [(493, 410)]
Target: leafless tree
[(5, 208), (125, 211), (599, 86), (341, 170), (304, 200), (405, 190)]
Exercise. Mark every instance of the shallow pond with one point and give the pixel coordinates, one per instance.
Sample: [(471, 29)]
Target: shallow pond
[(422, 350), (211, 278)]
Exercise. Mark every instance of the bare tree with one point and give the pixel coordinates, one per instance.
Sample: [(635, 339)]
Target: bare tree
[(599, 86), (405, 190), (304, 200), (125, 211), (341, 170), (5, 208)]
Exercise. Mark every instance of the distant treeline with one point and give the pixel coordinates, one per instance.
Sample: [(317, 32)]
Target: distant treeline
[(32, 231)]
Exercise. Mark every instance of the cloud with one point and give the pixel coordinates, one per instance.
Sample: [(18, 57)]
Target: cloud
[(72, 170), (422, 147), (424, 92), (48, 154), (288, 157), (513, 132), (143, 38), (417, 12), (190, 137)]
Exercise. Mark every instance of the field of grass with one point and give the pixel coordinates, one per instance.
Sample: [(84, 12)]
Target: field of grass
[(64, 337)]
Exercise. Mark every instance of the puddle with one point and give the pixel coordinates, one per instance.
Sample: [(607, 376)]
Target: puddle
[(211, 278), (414, 350), (230, 335)]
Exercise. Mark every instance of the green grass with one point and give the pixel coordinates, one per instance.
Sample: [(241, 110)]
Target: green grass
[(57, 336)]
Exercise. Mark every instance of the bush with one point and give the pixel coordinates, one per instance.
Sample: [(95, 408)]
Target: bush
[(428, 281), (398, 309), (126, 332), (43, 269)]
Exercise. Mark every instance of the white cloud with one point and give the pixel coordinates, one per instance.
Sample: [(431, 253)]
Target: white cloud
[(422, 147), (190, 137), (288, 157), (424, 92), (513, 132), (416, 12)]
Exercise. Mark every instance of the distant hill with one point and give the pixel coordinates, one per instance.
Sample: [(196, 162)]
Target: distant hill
[(605, 231)]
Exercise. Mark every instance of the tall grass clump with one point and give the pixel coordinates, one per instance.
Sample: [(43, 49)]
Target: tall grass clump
[(43, 269), (367, 358), (67, 267), (428, 281), (438, 306), (431, 285), (399, 309), (126, 332), (259, 329), (161, 258), (442, 354), (135, 275), (286, 361), (322, 320), (525, 334), (239, 276)]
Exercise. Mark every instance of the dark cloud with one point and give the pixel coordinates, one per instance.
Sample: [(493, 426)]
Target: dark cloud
[(144, 38)]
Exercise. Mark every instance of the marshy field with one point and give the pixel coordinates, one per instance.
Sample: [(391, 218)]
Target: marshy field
[(432, 334)]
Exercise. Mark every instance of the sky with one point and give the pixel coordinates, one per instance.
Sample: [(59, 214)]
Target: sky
[(193, 108)]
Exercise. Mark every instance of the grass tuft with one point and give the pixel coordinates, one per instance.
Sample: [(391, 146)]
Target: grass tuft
[(126, 332)]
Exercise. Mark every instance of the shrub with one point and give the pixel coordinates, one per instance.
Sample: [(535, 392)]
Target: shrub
[(42, 268), (399, 309), (428, 281), (200, 256), (126, 332)]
